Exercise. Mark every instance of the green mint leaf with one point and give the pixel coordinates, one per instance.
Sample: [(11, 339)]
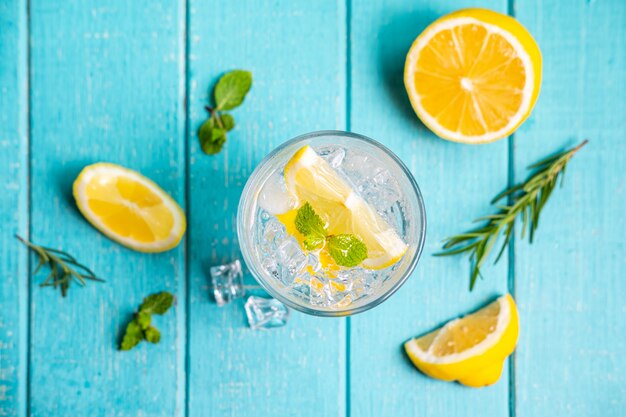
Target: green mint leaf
[(232, 88), (308, 222), (346, 250), (132, 336), (157, 303), (153, 335), (228, 121), (314, 242), (143, 319), (212, 139)]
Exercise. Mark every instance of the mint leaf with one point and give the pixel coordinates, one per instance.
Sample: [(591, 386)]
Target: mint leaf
[(157, 303), (314, 242), (232, 88), (228, 121), (132, 336), (346, 250), (212, 139), (140, 329), (153, 335), (309, 223), (143, 319)]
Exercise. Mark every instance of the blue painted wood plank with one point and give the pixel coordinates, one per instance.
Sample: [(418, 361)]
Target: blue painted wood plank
[(107, 85), (570, 282), (14, 206), (296, 52), (457, 182)]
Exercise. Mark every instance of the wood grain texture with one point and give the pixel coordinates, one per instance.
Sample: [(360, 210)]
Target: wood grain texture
[(457, 182), (570, 282), (107, 83), (14, 206), (296, 52), (106, 86)]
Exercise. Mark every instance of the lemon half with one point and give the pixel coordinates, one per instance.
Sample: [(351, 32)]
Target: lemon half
[(129, 208), (473, 76)]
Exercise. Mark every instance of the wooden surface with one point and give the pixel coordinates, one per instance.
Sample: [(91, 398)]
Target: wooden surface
[(126, 81)]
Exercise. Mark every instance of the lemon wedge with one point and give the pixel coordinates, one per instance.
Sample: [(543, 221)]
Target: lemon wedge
[(129, 208), (309, 178), (473, 76), (471, 349)]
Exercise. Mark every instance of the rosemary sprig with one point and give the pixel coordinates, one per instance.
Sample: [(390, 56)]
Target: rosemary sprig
[(61, 271), (523, 201)]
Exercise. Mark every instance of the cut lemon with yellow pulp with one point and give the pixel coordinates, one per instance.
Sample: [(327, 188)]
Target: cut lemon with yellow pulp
[(473, 76), (471, 349), (311, 179), (129, 208)]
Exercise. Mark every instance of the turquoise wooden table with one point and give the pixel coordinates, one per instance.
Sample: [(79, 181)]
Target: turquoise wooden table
[(124, 81)]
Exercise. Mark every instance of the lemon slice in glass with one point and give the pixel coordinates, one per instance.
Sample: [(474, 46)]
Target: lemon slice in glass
[(129, 208), (309, 178), (471, 349)]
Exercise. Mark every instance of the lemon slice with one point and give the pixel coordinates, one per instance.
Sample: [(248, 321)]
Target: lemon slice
[(471, 349), (129, 208), (473, 76), (309, 178)]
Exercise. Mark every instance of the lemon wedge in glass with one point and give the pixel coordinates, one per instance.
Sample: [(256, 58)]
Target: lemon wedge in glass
[(309, 178), (471, 349), (129, 208)]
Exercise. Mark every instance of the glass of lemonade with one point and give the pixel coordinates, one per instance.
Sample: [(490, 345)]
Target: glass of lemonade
[(331, 223)]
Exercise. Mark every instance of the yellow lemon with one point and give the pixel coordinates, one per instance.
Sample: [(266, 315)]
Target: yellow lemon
[(473, 76), (129, 208), (311, 179), (471, 349)]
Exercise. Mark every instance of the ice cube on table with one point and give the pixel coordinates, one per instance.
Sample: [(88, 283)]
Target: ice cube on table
[(227, 282), (265, 313)]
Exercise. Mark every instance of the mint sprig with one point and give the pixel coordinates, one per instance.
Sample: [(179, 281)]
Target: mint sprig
[(140, 328), (345, 249), (229, 93)]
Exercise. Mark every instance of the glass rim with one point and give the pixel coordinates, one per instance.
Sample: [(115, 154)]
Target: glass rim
[(258, 276)]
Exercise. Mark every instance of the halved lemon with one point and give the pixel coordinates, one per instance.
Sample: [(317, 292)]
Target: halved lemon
[(471, 349), (309, 178), (129, 208), (473, 76)]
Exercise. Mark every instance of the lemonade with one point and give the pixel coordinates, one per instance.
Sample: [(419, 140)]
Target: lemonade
[(331, 223)]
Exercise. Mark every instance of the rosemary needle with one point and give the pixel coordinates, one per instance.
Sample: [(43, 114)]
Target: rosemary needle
[(64, 268), (523, 201)]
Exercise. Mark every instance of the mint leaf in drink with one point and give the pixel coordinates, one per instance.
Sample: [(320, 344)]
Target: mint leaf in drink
[(132, 337), (314, 242), (231, 89), (157, 303), (346, 250), (309, 223), (153, 335), (228, 121)]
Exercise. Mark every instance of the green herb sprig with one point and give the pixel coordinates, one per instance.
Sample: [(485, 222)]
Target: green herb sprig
[(141, 328), (346, 249), (64, 268), (229, 92), (524, 201)]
